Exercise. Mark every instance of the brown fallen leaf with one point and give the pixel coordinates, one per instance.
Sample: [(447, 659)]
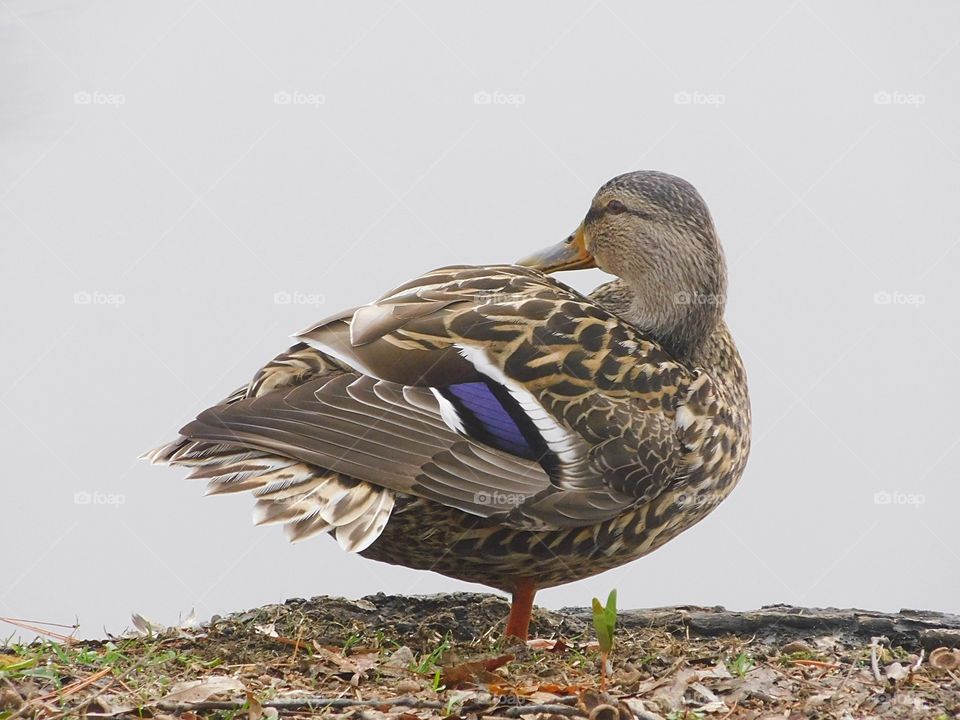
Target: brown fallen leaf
[(256, 709), (354, 664), (108, 705), (477, 671)]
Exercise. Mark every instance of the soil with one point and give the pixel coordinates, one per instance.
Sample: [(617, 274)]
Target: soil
[(409, 657)]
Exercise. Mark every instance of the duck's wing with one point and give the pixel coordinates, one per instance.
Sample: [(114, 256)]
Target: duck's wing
[(494, 390), (587, 395)]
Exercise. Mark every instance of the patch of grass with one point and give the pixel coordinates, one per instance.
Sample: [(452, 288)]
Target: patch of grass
[(351, 642), (741, 664), (685, 715), (430, 662)]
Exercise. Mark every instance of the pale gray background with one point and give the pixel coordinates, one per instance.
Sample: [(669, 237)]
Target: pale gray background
[(145, 161)]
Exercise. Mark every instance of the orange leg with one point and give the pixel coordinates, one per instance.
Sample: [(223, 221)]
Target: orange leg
[(521, 608)]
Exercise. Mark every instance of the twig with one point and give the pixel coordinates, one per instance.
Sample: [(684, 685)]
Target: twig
[(296, 645), (67, 639), (550, 708), (918, 663), (815, 663), (560, 706), (75, 686), (306, 703), (732, 709), (874, 663)]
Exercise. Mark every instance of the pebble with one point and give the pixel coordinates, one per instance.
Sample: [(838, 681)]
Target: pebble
[(797, 646), (408, 686), (402, 658)]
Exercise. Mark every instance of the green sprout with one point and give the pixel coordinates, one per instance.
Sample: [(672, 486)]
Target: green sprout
[(605, 623)]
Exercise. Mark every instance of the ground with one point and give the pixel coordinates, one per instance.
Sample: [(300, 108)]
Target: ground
[(406, 658)]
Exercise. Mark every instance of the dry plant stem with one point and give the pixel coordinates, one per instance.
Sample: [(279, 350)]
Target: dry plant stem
[(564, 710), (874, 662), (76, 686), (603, 671), (66, 639), (307, 703)]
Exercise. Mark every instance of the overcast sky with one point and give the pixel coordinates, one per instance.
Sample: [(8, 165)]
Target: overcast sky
[(185, 184)]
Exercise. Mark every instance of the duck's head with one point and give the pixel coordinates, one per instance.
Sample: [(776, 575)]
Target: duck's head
[(654, 232)]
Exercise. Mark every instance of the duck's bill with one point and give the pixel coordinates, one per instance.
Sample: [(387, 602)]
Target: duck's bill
[(571, 254)]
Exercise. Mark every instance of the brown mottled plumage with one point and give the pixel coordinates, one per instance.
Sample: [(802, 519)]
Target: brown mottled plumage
[(494, 425)]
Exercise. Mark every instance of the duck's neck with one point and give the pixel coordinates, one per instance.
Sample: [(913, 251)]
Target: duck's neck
[(682, 322)]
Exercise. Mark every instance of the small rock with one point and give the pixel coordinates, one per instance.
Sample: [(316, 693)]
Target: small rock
[(797, 646), (10, 699), (401, 659), (408, 686)]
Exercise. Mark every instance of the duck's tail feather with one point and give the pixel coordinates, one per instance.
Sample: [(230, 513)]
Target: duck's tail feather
[(307, 499)]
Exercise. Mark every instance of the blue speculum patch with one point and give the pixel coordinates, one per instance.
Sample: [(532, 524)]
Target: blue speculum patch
[(485, 417)]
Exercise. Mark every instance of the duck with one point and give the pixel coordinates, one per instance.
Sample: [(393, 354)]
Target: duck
[(494, 425)]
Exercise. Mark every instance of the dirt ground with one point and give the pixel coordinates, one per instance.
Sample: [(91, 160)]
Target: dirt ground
[(407, 658)]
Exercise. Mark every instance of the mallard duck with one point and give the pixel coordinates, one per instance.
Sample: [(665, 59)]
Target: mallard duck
[(494, 425)]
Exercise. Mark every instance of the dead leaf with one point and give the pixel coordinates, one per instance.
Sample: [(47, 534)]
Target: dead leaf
[(143, 626), (268, 629), (559, 689), (108, 705), (762, 682), (476, 671), (193, 691), (256, 709), (351, 665)]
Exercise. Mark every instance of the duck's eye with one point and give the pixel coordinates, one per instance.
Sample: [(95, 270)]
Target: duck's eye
[(615, 207)]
